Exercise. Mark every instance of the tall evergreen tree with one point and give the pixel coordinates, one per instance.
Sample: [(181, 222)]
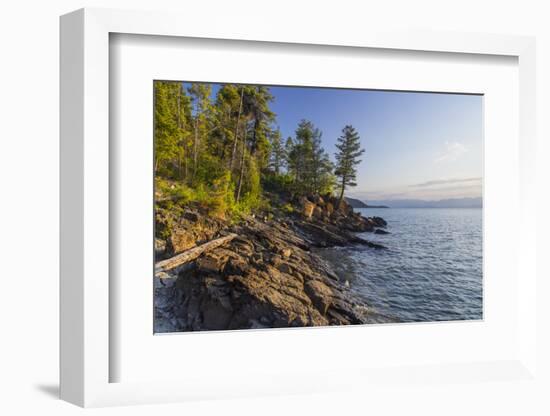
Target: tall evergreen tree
[(308, 162), (321, 166), (256, 106), (302, 155), (224, 118), (200, 96), (171, 127), (184, 124), (228, 107), (278, 155), (257, 118), (347, 158), (290, 156)]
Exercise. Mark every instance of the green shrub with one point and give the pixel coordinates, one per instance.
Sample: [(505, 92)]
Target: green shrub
[(287, 208)]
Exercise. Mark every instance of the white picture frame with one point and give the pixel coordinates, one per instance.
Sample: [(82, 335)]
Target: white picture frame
[(86, 355)]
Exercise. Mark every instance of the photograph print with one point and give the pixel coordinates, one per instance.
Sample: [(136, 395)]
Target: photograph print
[(288, 206)]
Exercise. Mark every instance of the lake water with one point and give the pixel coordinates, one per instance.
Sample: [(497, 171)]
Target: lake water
[(431, 271)]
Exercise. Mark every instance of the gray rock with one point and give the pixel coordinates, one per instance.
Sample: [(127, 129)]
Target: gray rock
[(265, 277)]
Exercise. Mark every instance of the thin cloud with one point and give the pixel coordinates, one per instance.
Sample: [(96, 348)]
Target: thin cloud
[(452, 151), (438, 182)]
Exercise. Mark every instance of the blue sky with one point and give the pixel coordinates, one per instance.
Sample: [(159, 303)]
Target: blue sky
[(417, 145)]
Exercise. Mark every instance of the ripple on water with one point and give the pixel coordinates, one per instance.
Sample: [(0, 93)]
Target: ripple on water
[(432, 270)]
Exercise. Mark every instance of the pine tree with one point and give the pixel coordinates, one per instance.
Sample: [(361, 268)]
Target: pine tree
[(200, 96), (301, 156), (321, 167), (256, 102), (257, 118), (308, 162), (171, 127), (347, 158), (228, 108), (290, 162), (278, 155)]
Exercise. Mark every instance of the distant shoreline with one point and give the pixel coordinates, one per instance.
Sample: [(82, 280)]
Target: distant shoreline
[(418, 203), (384, 207)]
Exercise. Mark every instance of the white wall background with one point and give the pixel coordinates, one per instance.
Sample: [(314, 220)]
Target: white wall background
[(29, 221)]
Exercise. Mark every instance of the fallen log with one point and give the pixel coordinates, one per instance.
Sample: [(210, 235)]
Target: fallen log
[(189, 255)]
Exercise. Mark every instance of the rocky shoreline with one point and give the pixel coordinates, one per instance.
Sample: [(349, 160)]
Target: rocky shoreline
[(267, 276)]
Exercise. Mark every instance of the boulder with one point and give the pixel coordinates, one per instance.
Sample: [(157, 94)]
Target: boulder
[(191, 216), (318, 212), (320, 294), (181, 239), (378, 221), (243, 247), (318, 200), (345, 208), (286, 252), (307, 209), (328, 198), (213, 262), (380, 231), (190, 230), (160, 248)]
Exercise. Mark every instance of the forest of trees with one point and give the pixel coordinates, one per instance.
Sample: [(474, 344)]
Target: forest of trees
[(224, 149)]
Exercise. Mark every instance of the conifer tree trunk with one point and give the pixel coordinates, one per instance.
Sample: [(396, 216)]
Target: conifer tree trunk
[(341, 192), (186, 161), (236, 131), (196, 146), (179, 108), (241, 174)]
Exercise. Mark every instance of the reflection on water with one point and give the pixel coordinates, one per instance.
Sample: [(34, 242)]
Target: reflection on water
[(431, 271)]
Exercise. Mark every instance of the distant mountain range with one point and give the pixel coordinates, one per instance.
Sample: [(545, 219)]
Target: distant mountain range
[(418, 203), (357, 203)]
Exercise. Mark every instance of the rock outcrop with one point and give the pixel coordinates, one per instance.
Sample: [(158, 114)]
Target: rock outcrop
[(185, 231), (328, 210), (266, 276)]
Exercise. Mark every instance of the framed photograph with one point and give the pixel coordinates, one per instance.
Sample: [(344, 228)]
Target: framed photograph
[(260, 213), (227, 201)]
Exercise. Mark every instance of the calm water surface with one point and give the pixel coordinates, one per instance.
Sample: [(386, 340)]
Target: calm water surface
[(431, 271)]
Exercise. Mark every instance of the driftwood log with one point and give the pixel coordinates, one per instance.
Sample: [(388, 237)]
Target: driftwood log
[(189, 255)]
